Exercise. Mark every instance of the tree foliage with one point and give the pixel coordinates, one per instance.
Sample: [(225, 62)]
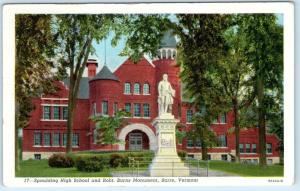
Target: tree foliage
[(35, 43), (106, 127)]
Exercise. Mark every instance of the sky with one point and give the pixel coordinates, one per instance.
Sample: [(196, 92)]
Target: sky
[(113, 60)]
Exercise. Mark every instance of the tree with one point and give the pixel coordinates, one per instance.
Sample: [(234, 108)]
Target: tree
[(76, 34), (264, 53), (35, 43), (106, 127), (234, 75)]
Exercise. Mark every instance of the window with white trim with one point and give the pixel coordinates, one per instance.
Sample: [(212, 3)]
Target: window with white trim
[(94, 109), (65, 113), (146, 108), (222, 141), (137, 110), (146, 89), (223, 118), (254, 148), (189, 115), (198, 143), (104, 108), (37, 139), (56, 112), (189, 143), (75, 140), (55, 139), (47, 141), (127, 88), (269, 148), (241, 146), (46, 112), (248, 150), (136, 88), (64, 139), (115, 107), (128, 107)]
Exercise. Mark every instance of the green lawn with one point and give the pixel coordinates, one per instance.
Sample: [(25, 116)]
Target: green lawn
[(40, 168), (246, 170)]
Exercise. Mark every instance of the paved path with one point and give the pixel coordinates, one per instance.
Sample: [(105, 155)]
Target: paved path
[(201, 172)]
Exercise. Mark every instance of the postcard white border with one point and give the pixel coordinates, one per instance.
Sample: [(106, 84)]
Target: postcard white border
[(287, 9)]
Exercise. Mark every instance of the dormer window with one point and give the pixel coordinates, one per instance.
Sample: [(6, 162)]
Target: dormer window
[(146, 89), (137, 89), (127, 88)]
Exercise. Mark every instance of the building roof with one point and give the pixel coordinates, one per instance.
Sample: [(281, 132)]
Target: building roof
[(168, 40), (105, 74), (83, 92)]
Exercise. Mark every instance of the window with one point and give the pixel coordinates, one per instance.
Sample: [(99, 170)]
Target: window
[(189, 115), (37, 139), (55, 141), (198, 143), (215, 121), (128, 107), (47, 139), (146, 89), (222, 141), (208, 157), (104, 108), (65, 113), (94, 109), (127, 88), (64, 139), (269, 161), (190, 156), (137, 110), (75, 140), (46, 113), (136, 89), (37, 157), (95, 136), (146, 110), (269, 148), (190, 143), (248, 150), (241, 146), (56, 113), (254, 148), (223, 118), (115, 108), (224, 157), (255, 161)]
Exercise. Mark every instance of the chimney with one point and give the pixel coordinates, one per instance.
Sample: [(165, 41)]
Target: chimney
[(92, 65)]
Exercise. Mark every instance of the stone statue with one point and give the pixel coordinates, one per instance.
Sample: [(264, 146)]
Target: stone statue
[(165, 95)]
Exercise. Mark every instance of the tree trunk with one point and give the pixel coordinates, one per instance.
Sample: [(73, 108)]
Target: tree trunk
[(17, 165), (71, 107), (236, 130), (261, 122), (204, 151)]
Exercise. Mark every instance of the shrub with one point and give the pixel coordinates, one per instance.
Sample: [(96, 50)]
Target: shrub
[(60, 161), (115, 160), (182, 154), (91, 164)]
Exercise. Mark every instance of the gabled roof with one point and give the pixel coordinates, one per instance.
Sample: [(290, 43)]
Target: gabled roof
[(105, 74), (83, 92)]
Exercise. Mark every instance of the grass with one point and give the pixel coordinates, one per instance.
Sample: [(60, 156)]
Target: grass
[(40, 168), (246, 170)]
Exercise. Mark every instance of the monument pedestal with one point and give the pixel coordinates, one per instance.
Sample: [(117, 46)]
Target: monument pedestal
[(166, 161)]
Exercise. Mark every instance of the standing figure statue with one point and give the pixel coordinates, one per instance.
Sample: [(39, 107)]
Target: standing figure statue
[(165, 95)]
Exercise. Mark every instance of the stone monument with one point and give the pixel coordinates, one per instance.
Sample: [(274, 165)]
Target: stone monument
[(166, 161)]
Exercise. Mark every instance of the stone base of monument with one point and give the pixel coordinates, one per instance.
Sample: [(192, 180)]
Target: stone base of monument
[(163, 166), (166, 161)]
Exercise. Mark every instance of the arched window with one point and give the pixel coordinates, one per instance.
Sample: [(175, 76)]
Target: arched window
[(136, 88), (127, 88), (146, 89)]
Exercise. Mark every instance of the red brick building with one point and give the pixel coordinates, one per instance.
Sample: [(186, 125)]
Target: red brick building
[(132, 87)]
